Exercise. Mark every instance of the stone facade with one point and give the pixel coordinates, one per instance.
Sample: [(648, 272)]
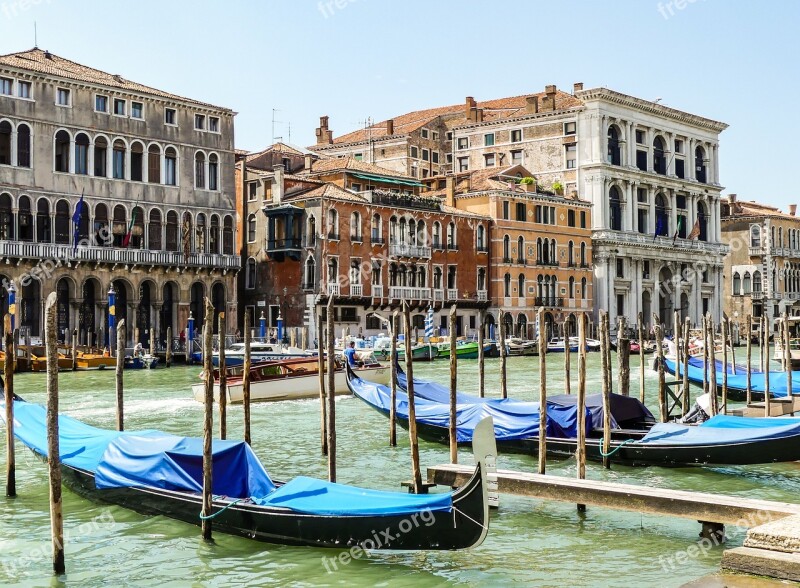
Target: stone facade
[(155, 173)]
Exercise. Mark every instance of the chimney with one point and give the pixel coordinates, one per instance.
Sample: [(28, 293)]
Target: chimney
[(550, 98), (390, 127), (450, 190), (324, 135), (577, 87), (732, 198), (277, 183), (793, 209), (479, 115), (308, 161), (532, 104), (469, 106)]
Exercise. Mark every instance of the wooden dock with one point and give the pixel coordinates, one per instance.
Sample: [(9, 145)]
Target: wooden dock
[(698, 506)]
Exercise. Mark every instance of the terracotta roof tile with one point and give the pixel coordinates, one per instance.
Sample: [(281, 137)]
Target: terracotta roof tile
[(44, 62), (351, 164), (329, 190)]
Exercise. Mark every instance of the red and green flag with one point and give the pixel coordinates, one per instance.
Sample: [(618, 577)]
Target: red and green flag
[(126, 241)]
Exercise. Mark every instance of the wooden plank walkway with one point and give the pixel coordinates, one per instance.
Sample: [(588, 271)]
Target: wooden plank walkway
[(697, 506)]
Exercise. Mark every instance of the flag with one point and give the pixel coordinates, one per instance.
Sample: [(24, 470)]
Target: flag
[(127, 239), (76, 220), (659, 226), (695, 230), (678, 230)]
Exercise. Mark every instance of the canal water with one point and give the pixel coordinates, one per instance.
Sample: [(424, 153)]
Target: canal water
[(530, 543)]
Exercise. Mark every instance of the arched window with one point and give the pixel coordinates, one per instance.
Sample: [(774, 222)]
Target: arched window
[(170, 166), (311, 231), (662, 215), (583, 288), (507, 285), (757, 281), (659, 156), (354, 275), (310, 277), (154, 164), (355, 227), (62, 151), (200, 234), (481, 279), (25, 219), (412, 232), (227, 235), (422, 234), (213, 172), (451, 236), (134, 236), (520, 249), (755, 236), (250, 274), (118, 159), (23, 146), (100, 157), (521, 285), (376, 229), (401, 229), (251, 228), (737, 284), (154, 230), (5, 143), (6, 218), (102, 232), (553, 249), (481, 238), (437, 278), (81, 154), (506, 249), (613, 146), (333, 224), (119, 227), (746, 285), (172, 231), (437, 235), (333, 271), (572, 286), (700, 164), (213, 235), (200, 170), (615, 209), (137, 162), (539, 252), (571, 254), (421, 277), (62, 221), (583, 254), (393, 228)]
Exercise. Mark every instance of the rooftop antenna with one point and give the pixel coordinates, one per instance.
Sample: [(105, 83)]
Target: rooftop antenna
[(35, 36), (274, 110)]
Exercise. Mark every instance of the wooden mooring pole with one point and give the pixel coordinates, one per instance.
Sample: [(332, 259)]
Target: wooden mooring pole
[(640, 326), (208, 420), (787, 353), (712, 363), (685, 400), (168, 350), (8, 372), (223, 380), (606, 388), (581, 448), (394, 328), (481, 358), (331, 396), (53, 450), (662, 384), (504, 354), (609, 369), (118, 376), (725, 328), (412, 412), (322, 328), (749, 366), (542, 391), (624, 357), (567, 383), (765, 364), (246, 365), (74, 350), (453, 386)]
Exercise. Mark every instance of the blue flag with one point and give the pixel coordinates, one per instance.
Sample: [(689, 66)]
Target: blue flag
[(76, 220), (659, 226)]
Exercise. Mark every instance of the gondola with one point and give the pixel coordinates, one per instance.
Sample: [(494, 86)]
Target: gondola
[(159, 474), (635, 437)]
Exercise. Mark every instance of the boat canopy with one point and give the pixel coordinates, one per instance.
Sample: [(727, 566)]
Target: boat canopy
[(777, 381), (722, 430)]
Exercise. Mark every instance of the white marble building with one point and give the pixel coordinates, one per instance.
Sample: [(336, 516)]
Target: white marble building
[(652, 174)]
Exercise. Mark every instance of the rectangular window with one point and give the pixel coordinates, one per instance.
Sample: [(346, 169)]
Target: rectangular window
[(583, 219), (571, 152), (680, 168), (63, 97), (424, 133), (358, 156), (620, 304), (435, 156), (463, 143), (488, 160), (23, 89), (516, 135), (678, 146), (119, 107), (463, 164), (521, 212), (642, 221), (414, 151), (641, 194), (641, 160), (620, 268), (170, 171), (516, 157), (488, 139), (449, 135), (435, 136), (5, 86), (200, 122), (213, 124), (506, 210), (569, 128), (646, 270), (355, 187), (101, 103), (640, 137), (118, 162), (170, 116), (137, 110), (251, 190), (426, 155), (448, 158)]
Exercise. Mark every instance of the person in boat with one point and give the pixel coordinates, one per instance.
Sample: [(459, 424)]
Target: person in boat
[(350, 354), (138, 351)]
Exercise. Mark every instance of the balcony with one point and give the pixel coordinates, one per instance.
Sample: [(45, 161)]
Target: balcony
[(549, 301), (308, 286), (755, 251), (357, 238), (283, 244), (437, 245), (757, 295), (483, 295), (38, 251), (521, 261), (376, 240), (481, 248), (402, 200), (356, 290), (438, 295), (522, 302), (409, 293), (377, 290), (547, 263), (333, 235), (452, 293), (406, 250), (333, 289), (639, 239)]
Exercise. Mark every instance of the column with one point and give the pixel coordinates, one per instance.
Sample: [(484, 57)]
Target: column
[(690, 171), (631, 146), (13, 160), (631, 210), (651, 201), (71, 157), (155, 321), (673, 212), (90, 158), (670, 154), (716, 164), (128, 165)]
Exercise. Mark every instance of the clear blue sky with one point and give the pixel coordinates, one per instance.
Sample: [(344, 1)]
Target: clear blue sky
[(730, 60)]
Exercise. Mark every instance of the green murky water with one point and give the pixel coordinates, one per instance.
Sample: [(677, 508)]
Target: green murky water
[(530, 542)]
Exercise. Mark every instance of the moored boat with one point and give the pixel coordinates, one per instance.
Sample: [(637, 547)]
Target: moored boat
[(518, 347), (464, 349), (259, 351), (160, 474)]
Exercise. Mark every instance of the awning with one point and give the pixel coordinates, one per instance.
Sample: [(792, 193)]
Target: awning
[(388, 180)]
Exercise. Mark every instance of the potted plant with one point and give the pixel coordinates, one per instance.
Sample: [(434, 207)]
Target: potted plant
[(558, 188), (528, 184)]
